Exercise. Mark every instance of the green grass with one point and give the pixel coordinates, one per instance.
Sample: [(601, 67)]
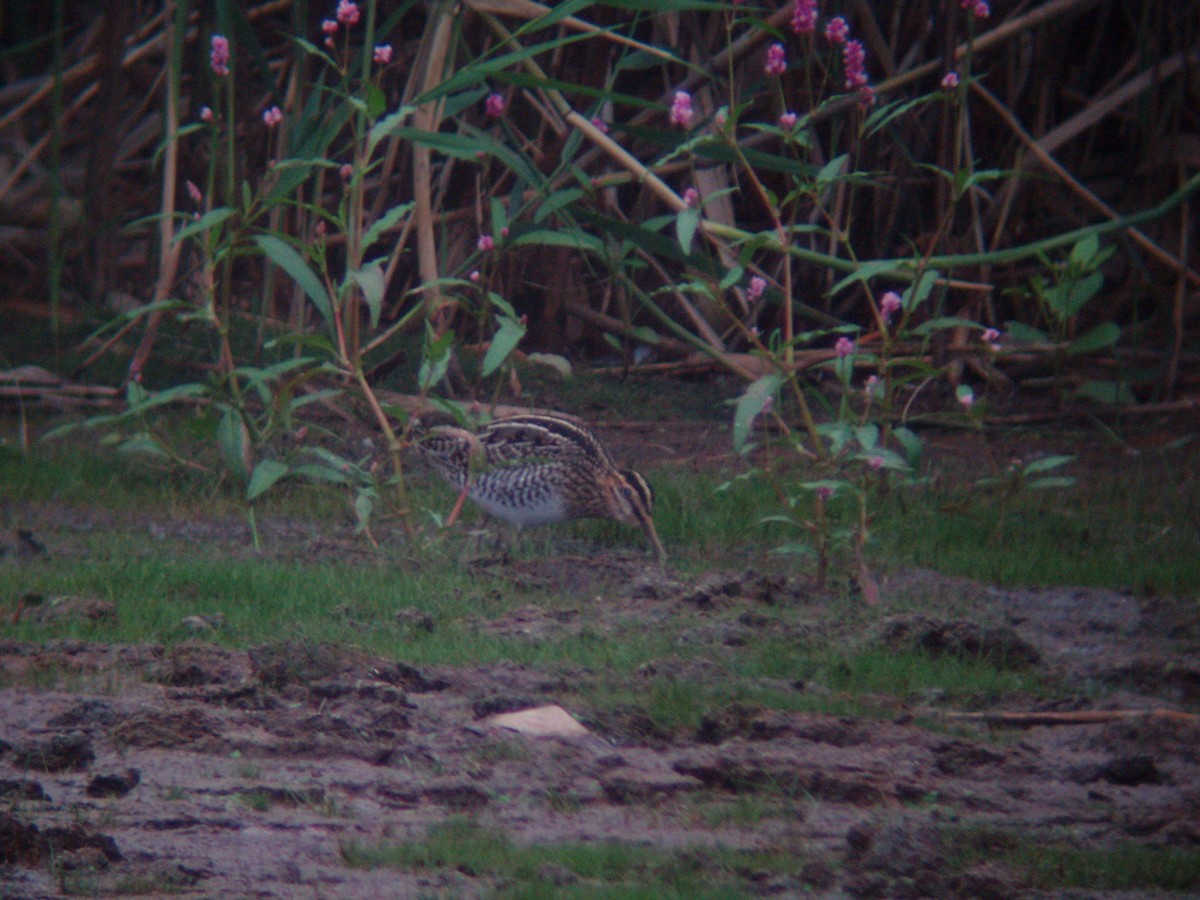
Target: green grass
[(804, 658), (1056, 865), (604, 869)]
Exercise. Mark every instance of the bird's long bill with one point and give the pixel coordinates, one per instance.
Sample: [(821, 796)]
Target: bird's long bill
[(648, 527)]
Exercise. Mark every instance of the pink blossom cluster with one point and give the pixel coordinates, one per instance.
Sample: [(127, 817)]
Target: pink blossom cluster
[(272, 116), (844, 347), (382, 54), (758, 285), (950, 80), (776, 62), (804, 17), (495, 105), (837, 30), (979, 8), (347, 12), (681, 110), (889, 304), (218, 58)]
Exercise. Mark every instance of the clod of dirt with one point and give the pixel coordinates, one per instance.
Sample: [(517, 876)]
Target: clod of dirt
[(296, 662), (21, 789), (45, 609), (408, 677), (1125, 770), (629, 785), (157, 728), (415, 619), (116, 785), (194, 663), (85, 715), (998, 643), (28, 845), (62, 752)]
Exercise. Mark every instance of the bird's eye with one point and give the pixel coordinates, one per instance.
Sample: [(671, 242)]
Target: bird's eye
[(628, 492)]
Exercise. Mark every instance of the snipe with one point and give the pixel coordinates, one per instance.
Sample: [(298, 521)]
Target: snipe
[(537, 469)]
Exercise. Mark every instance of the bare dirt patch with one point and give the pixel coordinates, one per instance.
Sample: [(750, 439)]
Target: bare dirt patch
[(200, 770)]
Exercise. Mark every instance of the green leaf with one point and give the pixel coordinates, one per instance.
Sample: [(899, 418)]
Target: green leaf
[(384, 222), (436, 359), (143, 442), (559, 363), (942, 323), (376, 102), (1084, 251), (867, 436), (1046, 463), (1019, 331), (266, 473), (1114, 392), (1103, 335), (557, 201), (831, 171), (1041, 484), (576, 240), (364, 505), (209, 220), (864, 273), (750, 404), (910, 443), (234, 441), (387, 126), (504, 341), (286, 257), (686, 224), (370, 280)]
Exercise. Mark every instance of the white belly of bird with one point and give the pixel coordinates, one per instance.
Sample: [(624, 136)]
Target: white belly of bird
[(540, 510)]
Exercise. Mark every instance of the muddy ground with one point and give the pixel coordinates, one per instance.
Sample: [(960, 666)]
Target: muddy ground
[(204, 771)]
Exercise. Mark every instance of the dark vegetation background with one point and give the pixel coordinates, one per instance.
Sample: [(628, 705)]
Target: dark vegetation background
[(1087, 108)]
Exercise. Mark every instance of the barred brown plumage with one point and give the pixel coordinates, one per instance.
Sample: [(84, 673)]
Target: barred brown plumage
[(537, 469)]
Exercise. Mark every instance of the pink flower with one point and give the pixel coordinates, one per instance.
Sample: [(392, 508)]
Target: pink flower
[(875, 462), (272, 116), (776, 63), (346, 171), (950, 81), (991, 337), (194, 193), (866, 96), (495, 106), (206, 114), (979, 9), (889, 305), (383, 54), (788, 120), (485, 242), (836, 30), (854, 61), (824, 492), (758, 285), (681, 110), (804, 17), (329, 27), (844, 347), (966, 398), (691, 197), (474, 276), (219, 57), (347, 12), (599, 124)]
